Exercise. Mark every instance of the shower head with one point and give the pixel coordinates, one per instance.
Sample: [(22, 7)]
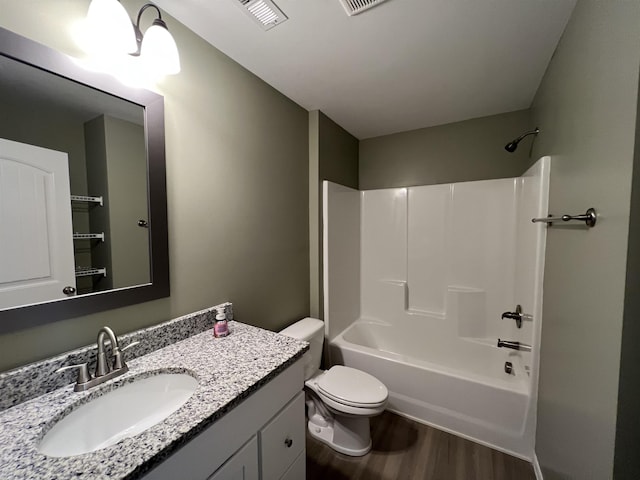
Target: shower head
[(513, 145)]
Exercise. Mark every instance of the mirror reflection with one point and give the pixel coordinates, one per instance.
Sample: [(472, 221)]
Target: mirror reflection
[(73, 189)]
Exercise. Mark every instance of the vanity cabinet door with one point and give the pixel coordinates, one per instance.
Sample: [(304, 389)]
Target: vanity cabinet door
[(211, 449), (243, 465), (282, 440)]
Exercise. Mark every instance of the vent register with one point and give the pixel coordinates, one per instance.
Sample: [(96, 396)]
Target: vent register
[(266, 13), (353, 7)]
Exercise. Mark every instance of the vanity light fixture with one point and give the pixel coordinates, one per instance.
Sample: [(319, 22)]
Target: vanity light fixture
[(110, 32), (156, 47)]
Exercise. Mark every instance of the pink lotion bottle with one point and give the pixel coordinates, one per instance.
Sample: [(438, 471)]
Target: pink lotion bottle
[(220, 327)]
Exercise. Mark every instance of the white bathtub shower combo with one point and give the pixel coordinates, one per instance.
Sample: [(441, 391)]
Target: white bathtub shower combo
[(416, 282)]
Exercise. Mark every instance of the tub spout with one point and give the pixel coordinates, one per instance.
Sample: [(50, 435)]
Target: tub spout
[(523, 347)]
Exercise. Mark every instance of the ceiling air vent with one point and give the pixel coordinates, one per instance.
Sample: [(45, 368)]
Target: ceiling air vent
[(263, 12), (354, 7)]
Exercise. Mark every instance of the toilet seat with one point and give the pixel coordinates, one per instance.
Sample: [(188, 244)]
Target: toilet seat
[(352, 388), (326, 397)]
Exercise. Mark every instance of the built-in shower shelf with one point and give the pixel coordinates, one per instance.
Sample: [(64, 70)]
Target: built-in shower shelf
[(86, 198), (89, 271), (89, 236)]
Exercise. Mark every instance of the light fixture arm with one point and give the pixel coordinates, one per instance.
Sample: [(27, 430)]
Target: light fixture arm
[(138, 31), (144, 7)]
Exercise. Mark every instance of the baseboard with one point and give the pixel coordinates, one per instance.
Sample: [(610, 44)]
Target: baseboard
[(536, 467)]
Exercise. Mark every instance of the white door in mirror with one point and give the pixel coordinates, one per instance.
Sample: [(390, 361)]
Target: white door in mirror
[(121, 413), (36, 245)]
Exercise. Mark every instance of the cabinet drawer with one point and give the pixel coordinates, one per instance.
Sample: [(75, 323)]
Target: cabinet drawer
[(282, 439), (297, 471)]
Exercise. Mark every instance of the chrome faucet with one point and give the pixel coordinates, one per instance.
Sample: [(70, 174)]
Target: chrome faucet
[(523, 347), (104, 370), (102, 367)]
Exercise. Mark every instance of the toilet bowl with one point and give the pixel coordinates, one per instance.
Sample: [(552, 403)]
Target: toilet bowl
[(339, 400)]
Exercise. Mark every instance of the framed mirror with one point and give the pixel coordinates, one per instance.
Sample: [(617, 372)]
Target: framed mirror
[(83, 212)]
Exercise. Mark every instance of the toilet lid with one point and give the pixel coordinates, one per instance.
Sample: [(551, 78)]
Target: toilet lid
[(352, 387)]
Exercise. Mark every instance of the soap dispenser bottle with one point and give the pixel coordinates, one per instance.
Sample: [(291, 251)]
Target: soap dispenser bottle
[(220, 327)]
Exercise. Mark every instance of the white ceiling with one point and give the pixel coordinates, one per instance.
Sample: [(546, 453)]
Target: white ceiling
[(402, 65)]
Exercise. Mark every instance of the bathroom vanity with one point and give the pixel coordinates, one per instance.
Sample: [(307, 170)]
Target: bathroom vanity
[(245, 419), (258, 439)]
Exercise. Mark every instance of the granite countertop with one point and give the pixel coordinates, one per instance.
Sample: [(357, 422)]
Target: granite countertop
[(228, 370)]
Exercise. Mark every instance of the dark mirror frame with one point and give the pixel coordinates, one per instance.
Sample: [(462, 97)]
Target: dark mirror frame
[(31, 53)]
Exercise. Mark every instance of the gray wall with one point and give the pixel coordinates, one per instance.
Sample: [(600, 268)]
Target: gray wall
[(586, 109), (338, 153), (315, 209), (127, 184), (117, 171), (457, 152), (333, 156), (98, 185), (237, 181)]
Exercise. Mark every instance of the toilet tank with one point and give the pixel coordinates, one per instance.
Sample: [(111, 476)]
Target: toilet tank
[(310, 330)]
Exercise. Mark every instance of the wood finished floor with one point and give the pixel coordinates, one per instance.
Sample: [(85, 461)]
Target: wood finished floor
[(403, 450)]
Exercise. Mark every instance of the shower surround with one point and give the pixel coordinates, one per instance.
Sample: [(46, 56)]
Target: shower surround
[(415, 282)]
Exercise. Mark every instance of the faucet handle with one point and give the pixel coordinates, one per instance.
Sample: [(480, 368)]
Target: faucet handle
[(118, 361), (83, 372), (132, 344)]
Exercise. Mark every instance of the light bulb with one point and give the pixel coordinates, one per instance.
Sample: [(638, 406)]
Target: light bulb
[(109, 29), (159, 51)]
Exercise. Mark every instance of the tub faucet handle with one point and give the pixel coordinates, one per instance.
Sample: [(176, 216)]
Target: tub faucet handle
[(517, 316)]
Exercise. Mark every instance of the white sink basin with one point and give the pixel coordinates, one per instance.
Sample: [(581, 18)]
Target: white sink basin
[(121, 413)]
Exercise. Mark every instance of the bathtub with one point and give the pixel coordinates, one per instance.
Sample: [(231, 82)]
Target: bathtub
[(460, 388)]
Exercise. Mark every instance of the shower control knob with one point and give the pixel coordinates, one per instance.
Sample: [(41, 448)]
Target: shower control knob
[(517, 316)]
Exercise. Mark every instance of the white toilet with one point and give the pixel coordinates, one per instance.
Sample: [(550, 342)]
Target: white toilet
[(339, 400)]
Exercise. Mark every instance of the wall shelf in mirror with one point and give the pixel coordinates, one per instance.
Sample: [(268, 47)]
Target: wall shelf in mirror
[(103, 107), (90, 271), (85, 198), (89, 236)]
